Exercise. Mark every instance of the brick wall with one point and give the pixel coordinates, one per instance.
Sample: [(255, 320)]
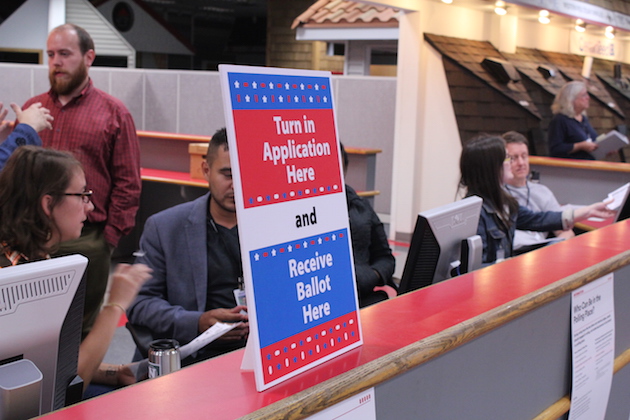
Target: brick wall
[(282, 48)]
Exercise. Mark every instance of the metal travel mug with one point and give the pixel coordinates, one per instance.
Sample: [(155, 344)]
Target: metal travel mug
[(164, 357)]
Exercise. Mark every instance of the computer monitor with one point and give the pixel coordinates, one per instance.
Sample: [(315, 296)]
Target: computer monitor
[(444, 244), (41, 312)]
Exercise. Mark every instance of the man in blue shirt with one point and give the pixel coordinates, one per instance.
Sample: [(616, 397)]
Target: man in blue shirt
[(33, 119)]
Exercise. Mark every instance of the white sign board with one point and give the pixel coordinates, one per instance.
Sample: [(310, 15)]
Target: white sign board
[(292, 219), (593, 348)]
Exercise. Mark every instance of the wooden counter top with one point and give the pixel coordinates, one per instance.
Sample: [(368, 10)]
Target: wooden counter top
[(398, 334)]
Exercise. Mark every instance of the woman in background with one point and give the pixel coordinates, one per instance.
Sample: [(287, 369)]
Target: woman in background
[(570, 134), (44, 201), (485, 168)]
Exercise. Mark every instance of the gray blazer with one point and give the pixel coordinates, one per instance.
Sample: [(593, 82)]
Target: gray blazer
[(174, 243)]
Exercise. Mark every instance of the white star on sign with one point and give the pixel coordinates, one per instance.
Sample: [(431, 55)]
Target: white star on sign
[(237, 84)]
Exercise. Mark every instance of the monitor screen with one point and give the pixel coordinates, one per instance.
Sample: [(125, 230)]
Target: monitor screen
[(41, 311), (440, 235)]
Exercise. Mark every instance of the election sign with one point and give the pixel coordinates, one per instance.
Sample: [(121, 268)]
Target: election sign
[(293, 219)]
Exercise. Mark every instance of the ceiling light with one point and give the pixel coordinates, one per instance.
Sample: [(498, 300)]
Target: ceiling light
[(610, 32), (447, 1), (499, 8), (580, 25), (543, 17)]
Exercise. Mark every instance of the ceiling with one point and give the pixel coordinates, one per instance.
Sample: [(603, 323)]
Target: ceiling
[(531, 14)]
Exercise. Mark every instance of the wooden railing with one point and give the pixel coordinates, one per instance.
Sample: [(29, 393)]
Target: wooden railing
[(595, 165), (346, 385), (498, 322), (155, 170), (563, 405)]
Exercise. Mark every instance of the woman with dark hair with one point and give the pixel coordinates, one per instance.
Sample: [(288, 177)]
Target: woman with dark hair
[(44, 201), (570, 134), (374, 262), (485, 168)]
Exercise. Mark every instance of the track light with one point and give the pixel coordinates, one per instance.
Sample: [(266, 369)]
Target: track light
[(610, 32), (543, 17), (499, 8), (580, 25)]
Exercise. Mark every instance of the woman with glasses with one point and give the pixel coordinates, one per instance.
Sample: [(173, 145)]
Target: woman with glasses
[(43, 202), (570, 134), (485, 169)]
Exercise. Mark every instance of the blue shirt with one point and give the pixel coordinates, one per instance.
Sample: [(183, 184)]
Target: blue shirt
[(22, 135), (497, 238), (564, 132)]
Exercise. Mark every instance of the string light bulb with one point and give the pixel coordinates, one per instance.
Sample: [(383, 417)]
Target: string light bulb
[(543, 17), (499, 8), (580, 25), (610, 32)]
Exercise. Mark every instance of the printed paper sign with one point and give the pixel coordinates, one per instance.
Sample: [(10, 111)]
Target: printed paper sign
[(293, 219), (593, 348), (289, 125), (360, 407)]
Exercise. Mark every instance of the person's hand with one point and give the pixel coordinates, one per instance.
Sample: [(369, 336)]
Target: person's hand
[(5, 126), (125, 376), (211, 317), (115, 375), (594, 210), (587, 146), (35, 115), (126, 282)]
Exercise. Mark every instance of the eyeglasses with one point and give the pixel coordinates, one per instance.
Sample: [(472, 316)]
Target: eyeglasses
[(85, 195), (513, 158)]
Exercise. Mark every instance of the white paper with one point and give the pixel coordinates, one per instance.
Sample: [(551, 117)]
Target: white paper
[(618, 196), (609, 142), (359, 407), (593, 348), (206, 337)]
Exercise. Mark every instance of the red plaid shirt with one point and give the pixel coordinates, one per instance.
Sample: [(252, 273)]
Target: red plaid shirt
[(99, 130)]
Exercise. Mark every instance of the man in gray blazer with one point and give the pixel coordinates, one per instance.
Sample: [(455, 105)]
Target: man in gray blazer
[(194, 252)]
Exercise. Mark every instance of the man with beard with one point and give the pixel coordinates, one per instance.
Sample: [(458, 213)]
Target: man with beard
[(194, 253), (99, 130)]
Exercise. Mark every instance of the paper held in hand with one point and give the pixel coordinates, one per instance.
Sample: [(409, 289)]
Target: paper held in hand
[(205, 338), (619, 196), (609, 142)]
